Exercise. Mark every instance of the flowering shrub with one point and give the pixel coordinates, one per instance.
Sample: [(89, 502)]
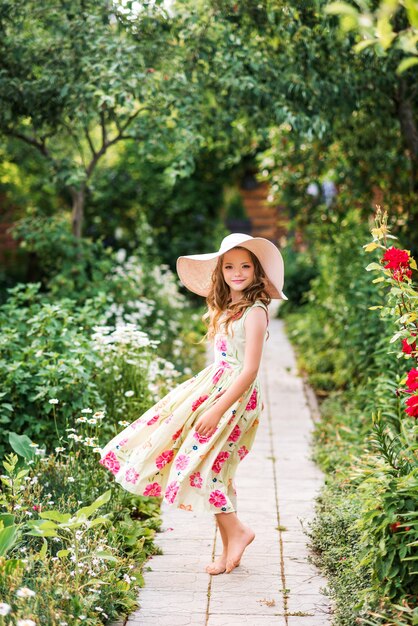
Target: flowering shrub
[(356, 339), (119, 350)]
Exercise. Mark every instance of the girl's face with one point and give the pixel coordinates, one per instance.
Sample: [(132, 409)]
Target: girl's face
[(238, 271)]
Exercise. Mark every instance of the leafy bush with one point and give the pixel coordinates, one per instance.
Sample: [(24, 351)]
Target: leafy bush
[(366, 440)]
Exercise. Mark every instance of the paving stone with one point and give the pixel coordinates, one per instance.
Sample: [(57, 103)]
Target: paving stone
[(221, 619), (309, 620), (151, 618)]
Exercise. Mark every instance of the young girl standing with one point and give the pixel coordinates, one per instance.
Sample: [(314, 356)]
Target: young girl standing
[(186, 448)]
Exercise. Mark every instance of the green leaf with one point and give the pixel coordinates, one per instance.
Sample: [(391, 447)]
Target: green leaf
[(8, 519), (56, 516), (374, 266), (341, 8), (89, 510), (21, 445), (406, 64), (62, 553), (8, 537), (105, 555)]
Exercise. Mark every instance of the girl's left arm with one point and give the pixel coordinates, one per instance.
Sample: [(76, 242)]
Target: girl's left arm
[(255, 327)]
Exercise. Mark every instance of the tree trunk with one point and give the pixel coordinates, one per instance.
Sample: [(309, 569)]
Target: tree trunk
[(78, 196)]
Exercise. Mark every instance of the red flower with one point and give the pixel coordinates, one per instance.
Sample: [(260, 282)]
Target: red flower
[(217, 498), (252, 402), (412, 404), (400, 273), (412, 380), (219, 461), (164, 458), (396, 258), (235, 434), (394, 527), (409, 348), (177, 434), (152, 489), (198, 402)]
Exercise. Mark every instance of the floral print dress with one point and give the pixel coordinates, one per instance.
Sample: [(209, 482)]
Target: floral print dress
[(161, 454)]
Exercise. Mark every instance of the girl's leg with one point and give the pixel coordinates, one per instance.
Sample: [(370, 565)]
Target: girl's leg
[(238, 537), (219, 565)]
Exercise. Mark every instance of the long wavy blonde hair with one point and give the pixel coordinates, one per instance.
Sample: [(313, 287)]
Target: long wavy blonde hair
[(219, 302)]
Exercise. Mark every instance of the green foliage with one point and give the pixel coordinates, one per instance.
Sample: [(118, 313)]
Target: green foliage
[(365, 531)]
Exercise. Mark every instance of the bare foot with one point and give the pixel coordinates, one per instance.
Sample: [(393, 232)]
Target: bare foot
[(218, 566), (236, 547)]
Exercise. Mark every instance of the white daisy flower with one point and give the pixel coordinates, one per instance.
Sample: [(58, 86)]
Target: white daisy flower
[(25, 592), (5, 608)]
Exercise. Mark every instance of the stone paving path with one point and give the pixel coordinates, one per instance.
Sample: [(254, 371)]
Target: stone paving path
[(276, 484)]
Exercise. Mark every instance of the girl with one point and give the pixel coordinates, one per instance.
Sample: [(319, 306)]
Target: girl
[(186, 448)]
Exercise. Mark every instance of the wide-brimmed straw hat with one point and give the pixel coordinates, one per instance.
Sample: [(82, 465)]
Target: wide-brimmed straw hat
[(195, 270)]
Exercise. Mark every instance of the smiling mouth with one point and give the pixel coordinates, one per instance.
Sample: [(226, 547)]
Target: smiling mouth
[(239, 281)]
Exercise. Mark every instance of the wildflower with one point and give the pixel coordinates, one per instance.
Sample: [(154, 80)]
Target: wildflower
[(53, 401), (81, 419), (71, 479), (412, 406), (86, 411), (98, 415), (89, 441), (97, 450), (129, 393), (60, 449), (25, 622), (409, 348), (5, 608), (33, 445), (75, 437), (123, 423), (25, 592), (412, 380), (92, 420)]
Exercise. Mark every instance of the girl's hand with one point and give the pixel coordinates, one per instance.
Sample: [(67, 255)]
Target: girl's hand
[(207, 422)]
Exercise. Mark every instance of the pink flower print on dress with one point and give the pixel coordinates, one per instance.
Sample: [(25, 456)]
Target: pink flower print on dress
[(131, 476), (242, 452), (153, 419), (171, 491), (235, 434), (122, 442), (217, 498), (222, 366), (219, 461), (198, 402), (182, 461), (196, 480), (221, 344), (252, 402), (177, 434), (110, 462), (164, 458), (201, 438), (152, 489)]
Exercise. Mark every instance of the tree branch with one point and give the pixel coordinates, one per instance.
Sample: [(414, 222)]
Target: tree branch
[(107, 143), (89, 141), (39, 144)]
